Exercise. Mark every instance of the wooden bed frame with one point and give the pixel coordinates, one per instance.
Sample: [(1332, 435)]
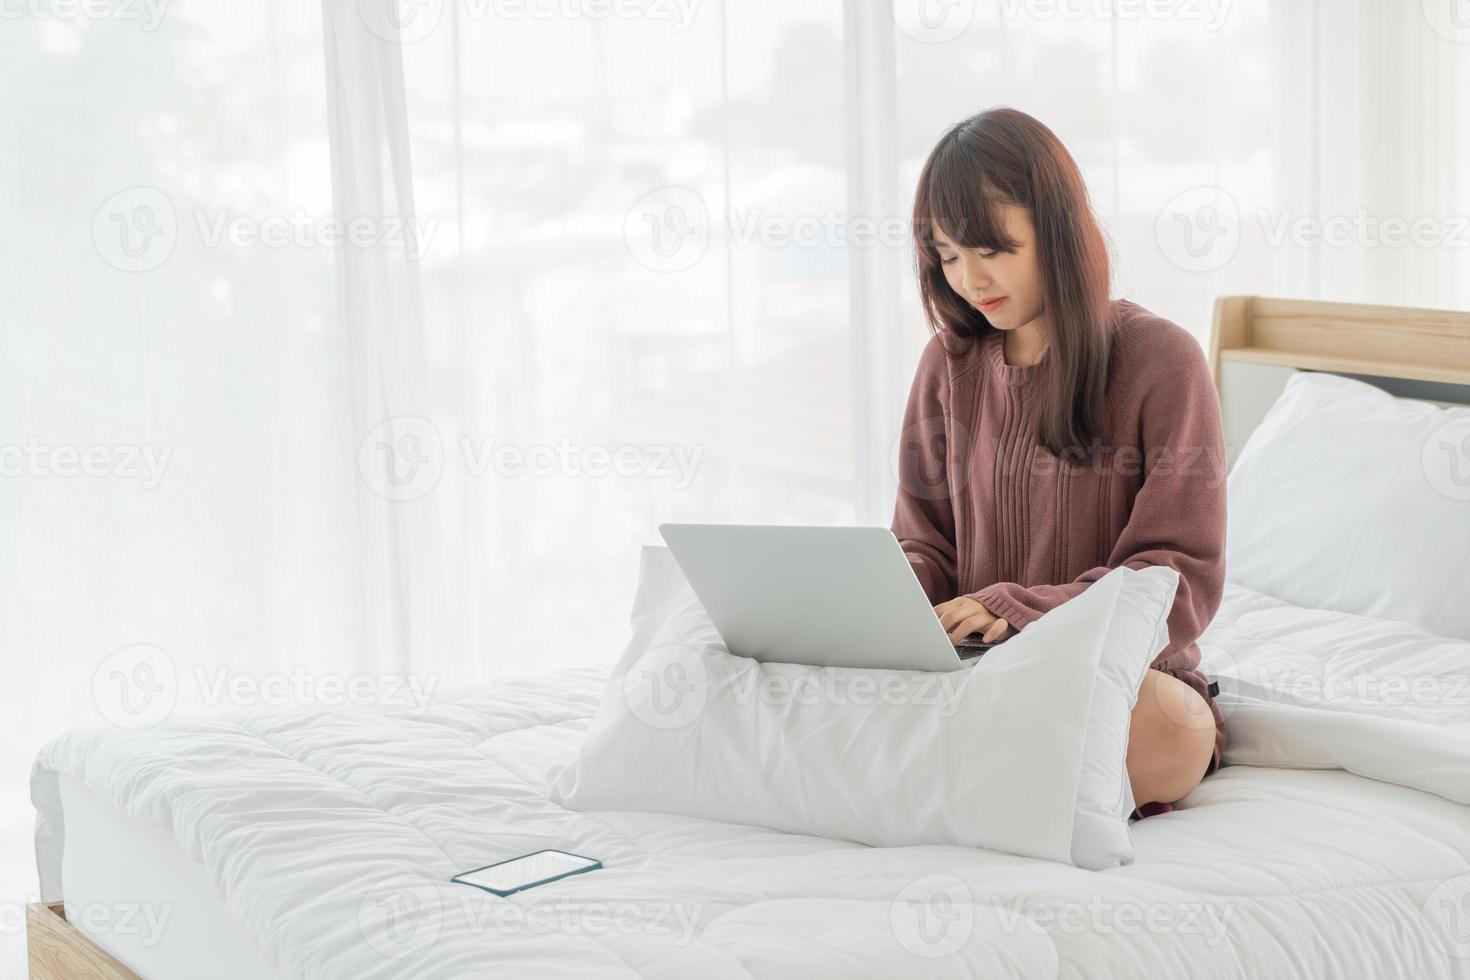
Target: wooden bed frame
[(1375, 342), (1378, 341), (58, 950)]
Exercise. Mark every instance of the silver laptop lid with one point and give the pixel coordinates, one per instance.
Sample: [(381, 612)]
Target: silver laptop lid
[(829, 596)]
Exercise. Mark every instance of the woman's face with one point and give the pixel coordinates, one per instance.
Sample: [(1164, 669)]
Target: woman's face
[(1012, 280)]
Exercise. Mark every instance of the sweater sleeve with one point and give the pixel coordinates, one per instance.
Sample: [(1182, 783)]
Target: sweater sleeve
[(923, 514), (1178, 515)]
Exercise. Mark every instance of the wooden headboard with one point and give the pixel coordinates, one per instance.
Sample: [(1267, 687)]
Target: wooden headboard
[(1257, 342)]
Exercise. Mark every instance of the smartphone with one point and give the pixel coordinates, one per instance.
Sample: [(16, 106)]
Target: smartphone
[(527, 871)]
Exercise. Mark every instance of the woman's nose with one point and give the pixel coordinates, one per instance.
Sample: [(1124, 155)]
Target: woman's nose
[(975, 281)]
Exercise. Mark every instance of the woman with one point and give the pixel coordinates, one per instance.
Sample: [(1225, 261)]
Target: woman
[(1053, 433)]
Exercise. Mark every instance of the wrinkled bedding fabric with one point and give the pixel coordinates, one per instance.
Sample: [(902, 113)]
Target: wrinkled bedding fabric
[(331, 837)]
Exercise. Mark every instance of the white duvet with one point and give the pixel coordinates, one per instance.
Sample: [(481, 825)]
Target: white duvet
[(332, 836)]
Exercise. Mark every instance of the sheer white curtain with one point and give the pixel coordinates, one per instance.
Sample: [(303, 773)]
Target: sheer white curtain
[(348, 341), (1372, 202), (177, 457), (634, 304)]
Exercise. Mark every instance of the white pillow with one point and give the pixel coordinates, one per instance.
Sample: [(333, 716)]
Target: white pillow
[(1024, 752), (1349, 499)]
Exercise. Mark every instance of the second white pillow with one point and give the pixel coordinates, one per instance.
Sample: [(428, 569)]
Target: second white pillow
[(1349, 499)]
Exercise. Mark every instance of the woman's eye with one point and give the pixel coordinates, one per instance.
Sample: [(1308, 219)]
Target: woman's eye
[(953, 258)]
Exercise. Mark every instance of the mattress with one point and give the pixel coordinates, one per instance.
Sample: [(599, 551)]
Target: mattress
[(296, 844), (134, 892)]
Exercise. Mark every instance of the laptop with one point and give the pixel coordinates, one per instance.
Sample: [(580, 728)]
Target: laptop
[(826, 596)]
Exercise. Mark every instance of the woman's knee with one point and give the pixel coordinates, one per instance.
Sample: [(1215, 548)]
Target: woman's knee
[(1171, 739)]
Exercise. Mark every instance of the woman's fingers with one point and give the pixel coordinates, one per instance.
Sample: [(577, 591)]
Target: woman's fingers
[(952, 613), (962, 616), (970, 624), (952, 621), (997, 631)]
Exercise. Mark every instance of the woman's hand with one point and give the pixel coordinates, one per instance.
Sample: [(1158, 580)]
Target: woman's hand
[(962, 616)]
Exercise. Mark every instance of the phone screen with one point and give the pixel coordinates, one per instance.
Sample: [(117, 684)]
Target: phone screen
[(525, 871)]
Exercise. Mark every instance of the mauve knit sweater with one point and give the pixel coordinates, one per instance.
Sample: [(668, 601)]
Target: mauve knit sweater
[(984, 511)]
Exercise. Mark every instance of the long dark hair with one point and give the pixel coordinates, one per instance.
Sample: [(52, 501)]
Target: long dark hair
[(1003, 156)]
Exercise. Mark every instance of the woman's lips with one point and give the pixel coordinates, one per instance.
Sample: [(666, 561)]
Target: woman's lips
[(992, 304)]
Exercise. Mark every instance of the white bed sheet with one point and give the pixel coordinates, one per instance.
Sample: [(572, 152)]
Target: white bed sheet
[(328, 839)]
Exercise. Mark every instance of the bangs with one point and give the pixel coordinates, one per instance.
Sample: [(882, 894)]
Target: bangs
[(959, 197)]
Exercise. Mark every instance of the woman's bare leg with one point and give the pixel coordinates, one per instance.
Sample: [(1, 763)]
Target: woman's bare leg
[(1170, 739)]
